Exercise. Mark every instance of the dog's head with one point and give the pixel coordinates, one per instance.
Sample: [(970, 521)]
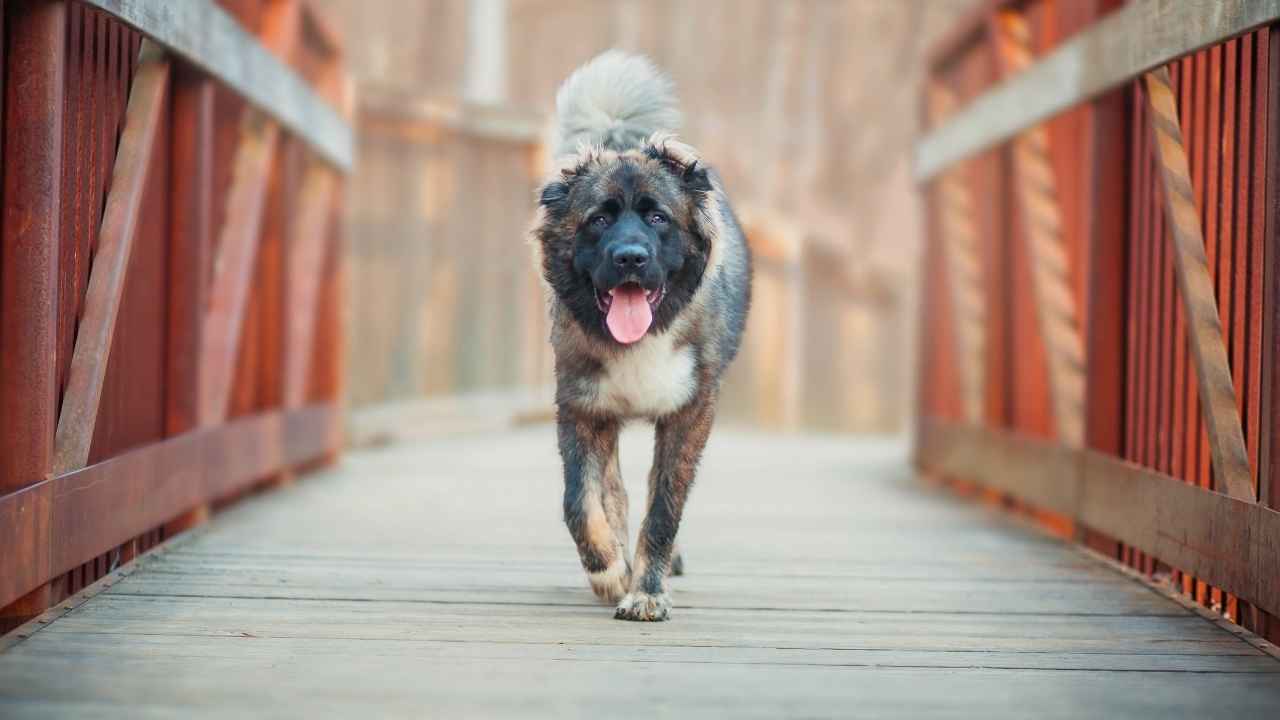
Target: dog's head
[(626, 238)]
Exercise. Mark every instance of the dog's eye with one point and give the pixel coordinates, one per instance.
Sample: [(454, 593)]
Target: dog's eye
[(600, 221), (657, 218)]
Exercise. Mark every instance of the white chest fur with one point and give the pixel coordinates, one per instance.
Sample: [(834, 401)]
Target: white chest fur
[(651, 379)]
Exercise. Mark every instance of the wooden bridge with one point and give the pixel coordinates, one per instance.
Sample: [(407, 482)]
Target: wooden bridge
[(1085, 522)]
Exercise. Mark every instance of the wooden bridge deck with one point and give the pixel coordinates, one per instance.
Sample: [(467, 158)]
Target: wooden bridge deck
[(435, 579)]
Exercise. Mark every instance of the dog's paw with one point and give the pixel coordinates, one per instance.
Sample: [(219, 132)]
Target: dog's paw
[(611, 583), (644, 607)]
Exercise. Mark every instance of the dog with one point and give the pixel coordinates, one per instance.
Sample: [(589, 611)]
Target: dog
[(649, 282)]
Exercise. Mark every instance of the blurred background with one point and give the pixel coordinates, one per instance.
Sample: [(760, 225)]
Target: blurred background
[(806, 107)]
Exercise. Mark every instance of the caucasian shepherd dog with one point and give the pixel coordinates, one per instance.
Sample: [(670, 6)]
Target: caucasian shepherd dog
[(650, 279)]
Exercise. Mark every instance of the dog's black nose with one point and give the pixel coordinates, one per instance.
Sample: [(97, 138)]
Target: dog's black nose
[(630, 257)]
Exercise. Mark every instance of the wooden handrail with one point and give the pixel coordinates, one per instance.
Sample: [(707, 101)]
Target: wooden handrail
[(1223, 540), (1116, 50), (204, 35)]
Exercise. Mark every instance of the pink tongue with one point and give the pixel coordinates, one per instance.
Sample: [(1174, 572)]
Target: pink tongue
[(629, 314)]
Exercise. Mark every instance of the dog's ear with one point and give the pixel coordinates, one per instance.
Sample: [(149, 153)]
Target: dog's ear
[(555, 195), (682, 161), (696, 179)]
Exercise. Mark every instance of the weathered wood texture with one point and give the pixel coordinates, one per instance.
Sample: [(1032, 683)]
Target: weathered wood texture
[(34, 76), (1165, 194), (1204, 324), (1144, 35), (211, 39), (115, 213), (140, 134), (453, 591)]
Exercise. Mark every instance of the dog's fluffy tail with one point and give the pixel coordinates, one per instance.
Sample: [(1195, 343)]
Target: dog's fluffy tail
[(615, 101)]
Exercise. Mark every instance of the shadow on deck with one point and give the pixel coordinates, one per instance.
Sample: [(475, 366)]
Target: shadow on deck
[(435, 579)]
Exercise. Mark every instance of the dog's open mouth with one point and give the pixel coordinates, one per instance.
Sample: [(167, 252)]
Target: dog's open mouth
[(628, 310)]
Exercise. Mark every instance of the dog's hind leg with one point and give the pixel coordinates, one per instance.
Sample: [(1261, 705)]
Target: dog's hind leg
[(677, 562), (589, 449), (680, 439)]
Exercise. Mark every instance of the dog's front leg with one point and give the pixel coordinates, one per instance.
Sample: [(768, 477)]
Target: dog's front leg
[(589, 449), (680, 439)]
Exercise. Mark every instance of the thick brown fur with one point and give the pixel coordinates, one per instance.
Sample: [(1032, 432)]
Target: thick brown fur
[(671, 377)]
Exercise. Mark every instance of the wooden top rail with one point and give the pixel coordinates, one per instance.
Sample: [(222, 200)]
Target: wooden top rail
[(1116, 50), (387, 110), (206, 36)]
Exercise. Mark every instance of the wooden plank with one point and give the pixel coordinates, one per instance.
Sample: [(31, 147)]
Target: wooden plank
[(167, 478), (1253, 187), (1104, 393), (190, 244), (222, 649), (800, 608), (1204, 326), (1204, 533), (1119, 47), (1001, 461), (111, 262), (1040, 213), (63, 518), (309, 247), (189, 259), (241, 232), (209, 619), (1269, 484), (234, 267), (29, 274), (1218, 538), (328, 370), (272, 284), (25, 516), (457, 682), (958, 222), (205, 35), (454, 585)]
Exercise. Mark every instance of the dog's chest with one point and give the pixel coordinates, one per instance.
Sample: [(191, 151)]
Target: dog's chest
[(651, 379)]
